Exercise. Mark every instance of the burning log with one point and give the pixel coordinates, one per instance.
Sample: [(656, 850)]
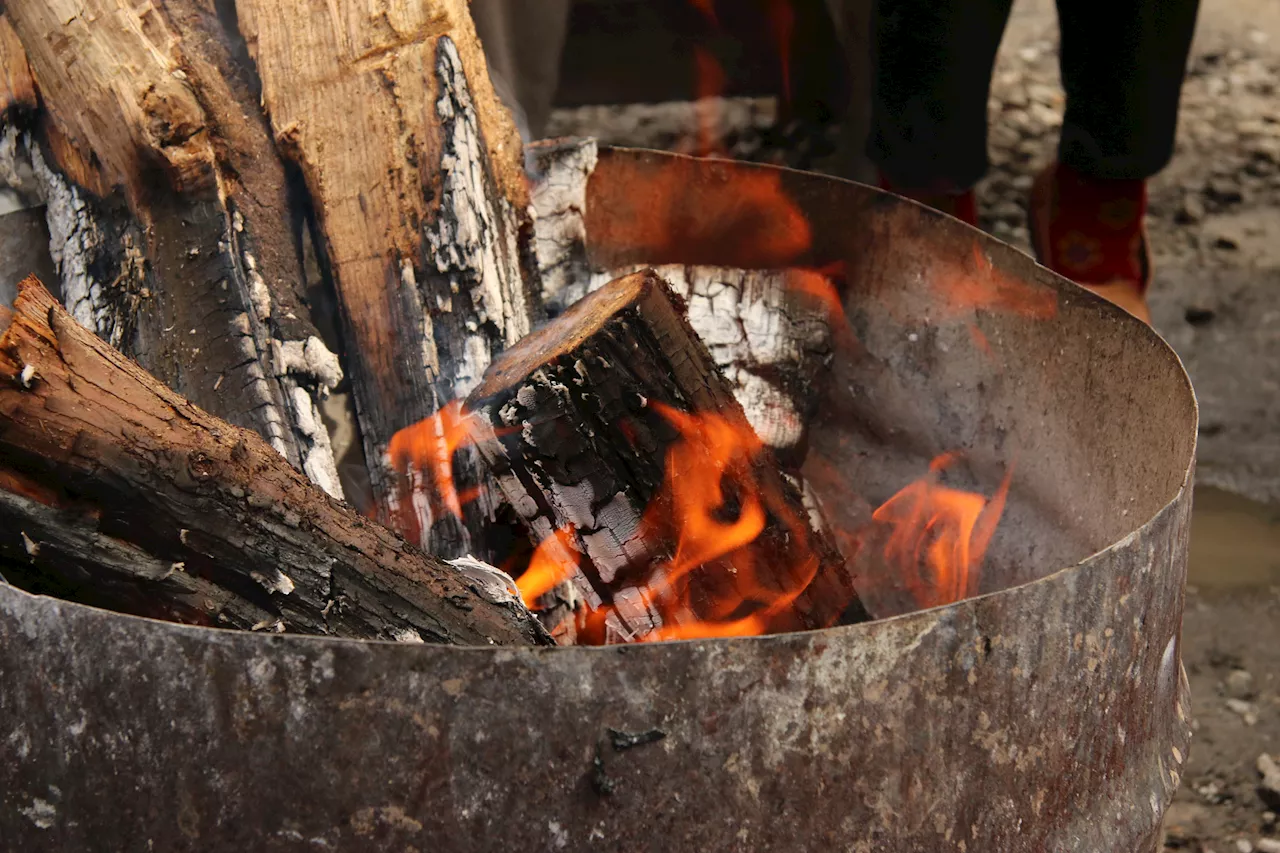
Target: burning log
[(417, 177), (622, 447), (169, 209), (117, 485), (770, 331)]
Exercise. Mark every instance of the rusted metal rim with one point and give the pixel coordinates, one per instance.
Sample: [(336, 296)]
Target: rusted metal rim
[(1050, 713)]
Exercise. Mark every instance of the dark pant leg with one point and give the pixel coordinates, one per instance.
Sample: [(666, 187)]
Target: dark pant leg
[(1122, 67), (931, 75)]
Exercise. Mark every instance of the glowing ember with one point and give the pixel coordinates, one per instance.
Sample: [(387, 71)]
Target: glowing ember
[(938, 536)]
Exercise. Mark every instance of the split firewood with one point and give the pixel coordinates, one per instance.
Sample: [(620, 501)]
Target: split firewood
[(417, 177), (169, 209), (616, 439), (116, 490)]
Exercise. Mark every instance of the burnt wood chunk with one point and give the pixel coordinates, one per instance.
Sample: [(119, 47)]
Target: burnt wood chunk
[(116, 490), (617, 440)]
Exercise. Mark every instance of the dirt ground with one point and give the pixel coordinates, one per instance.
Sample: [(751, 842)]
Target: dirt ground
[(1215, 234)]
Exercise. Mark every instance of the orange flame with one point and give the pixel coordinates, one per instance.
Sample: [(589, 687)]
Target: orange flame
[(553, 563), (709, 85), (752, 219), (978, 285), (719, 580), (938, 536), (429, 446)]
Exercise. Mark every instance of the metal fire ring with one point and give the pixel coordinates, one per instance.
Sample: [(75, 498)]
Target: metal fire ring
[(1050, 713)]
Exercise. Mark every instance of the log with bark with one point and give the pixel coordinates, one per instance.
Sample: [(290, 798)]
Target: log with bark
[(169, 210), (117, 491), (613, 435)]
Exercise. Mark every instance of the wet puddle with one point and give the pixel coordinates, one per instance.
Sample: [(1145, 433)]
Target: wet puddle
[(1235, 542)]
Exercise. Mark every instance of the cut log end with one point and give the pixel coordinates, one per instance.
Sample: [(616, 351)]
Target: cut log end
[(619, 443)]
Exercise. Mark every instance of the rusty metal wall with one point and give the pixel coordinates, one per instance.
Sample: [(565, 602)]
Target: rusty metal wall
[(1050, 714)]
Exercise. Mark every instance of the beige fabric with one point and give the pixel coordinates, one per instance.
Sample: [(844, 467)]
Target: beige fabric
[(522, 41)]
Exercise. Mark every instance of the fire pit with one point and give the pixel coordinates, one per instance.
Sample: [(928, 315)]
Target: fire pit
[(1047, 711)]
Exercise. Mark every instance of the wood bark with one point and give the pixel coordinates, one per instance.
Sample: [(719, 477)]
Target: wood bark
[(169, 210), (575, 424), (417, 177), (114, 485)]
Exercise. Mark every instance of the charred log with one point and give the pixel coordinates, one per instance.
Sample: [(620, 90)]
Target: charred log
[(770, 331), (577, 423), (417, 176), (117, 490)]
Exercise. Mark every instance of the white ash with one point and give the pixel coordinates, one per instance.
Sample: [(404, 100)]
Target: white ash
[(560, 229), (317, 451), (278, 582), (407, 635), (309, 360), (470, 245), (493, 584)]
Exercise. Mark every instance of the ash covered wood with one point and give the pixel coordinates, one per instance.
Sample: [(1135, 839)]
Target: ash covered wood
[(416, 173), (577, 421), (116, 490)]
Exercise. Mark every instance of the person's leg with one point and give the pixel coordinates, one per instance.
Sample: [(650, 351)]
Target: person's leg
[(931, 75), (1122, 68), (1122, 62), (522, 42)]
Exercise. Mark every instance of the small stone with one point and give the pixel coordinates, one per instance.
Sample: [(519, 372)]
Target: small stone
[(1225, 190), (1192, 209), (1267, 845), (1269, 787), (1244, 845), (1239, 684), (1199, 315), (1246, 710)]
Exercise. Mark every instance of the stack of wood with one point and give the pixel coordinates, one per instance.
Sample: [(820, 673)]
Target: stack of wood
[(276, 229)]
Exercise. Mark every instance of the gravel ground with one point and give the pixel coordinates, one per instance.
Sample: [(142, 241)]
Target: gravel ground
[(1215, 233)]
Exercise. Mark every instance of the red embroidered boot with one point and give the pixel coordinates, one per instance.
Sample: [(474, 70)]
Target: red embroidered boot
[(1093, 231)]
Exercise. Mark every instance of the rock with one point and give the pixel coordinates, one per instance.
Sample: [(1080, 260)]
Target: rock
[(1244, 845), (1199, 315), (1225, 190), (1247, 711), (1239, 684), (1267, 845), (1269, 787), (1192, 209)]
